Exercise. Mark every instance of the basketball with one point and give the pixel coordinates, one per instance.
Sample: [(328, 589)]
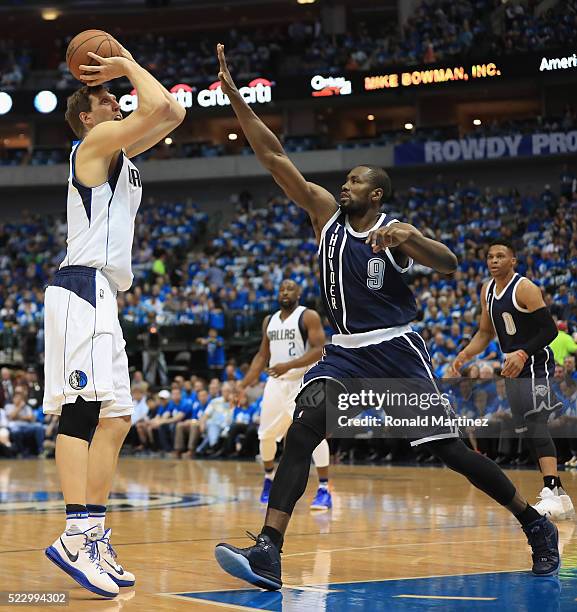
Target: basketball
[(97, 41)]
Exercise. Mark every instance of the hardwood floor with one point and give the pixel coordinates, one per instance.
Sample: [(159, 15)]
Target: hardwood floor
[(388, 525)]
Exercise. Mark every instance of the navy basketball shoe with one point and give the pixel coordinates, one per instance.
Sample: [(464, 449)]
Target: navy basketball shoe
[(259, 564), (543, 538)]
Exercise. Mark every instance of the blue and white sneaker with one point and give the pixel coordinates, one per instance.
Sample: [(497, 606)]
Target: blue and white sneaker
[(322, 500), (266, 487), (259, 565), (543, 538), (109, 563), (76, 553)]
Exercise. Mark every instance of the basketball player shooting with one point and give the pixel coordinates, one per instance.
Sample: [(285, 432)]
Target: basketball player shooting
[(292, 339), (362, 257), (86, 368), (513, 308)]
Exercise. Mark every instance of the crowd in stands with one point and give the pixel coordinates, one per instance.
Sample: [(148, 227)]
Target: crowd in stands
[(230, 283), (43, 156), (438, 30), (196, 417), (224, 290)]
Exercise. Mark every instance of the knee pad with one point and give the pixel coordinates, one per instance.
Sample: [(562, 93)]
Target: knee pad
[(312, 406), (79, 420)]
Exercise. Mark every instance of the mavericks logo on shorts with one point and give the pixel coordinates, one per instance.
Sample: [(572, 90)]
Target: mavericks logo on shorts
[(78, 380)]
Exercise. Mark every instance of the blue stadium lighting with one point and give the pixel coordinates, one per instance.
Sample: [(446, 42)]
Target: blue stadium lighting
[(45, 101), (5, 102)]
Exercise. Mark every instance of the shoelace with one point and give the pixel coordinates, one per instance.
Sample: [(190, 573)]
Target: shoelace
[(93, 552), (539, 541), (109, 548), (255, 538)]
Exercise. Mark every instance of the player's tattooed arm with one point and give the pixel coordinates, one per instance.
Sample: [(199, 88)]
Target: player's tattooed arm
[(316, 340), (479, 341), (410, 241), (316, 200), (259, 361)]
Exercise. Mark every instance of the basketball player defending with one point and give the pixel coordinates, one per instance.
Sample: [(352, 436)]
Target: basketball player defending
[(362, 256), (513, 308), (86, 370), (292, 339)]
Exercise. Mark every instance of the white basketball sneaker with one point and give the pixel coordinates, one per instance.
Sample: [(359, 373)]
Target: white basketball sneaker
[(567, 505), (77, 554), (108, 560), (551, 504)]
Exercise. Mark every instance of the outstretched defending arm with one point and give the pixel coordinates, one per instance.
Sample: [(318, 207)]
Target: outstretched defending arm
[(316, 200)]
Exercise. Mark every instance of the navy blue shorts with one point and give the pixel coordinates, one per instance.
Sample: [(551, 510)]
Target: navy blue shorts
[(403, 357), (530, 394)]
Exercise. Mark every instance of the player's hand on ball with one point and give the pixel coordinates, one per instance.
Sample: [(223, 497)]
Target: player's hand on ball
[(513, 364), (226, 81), (108, 68), (126, 53), (278, 370), (391, 236)]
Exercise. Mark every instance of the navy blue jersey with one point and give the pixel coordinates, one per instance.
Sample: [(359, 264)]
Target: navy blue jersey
[(513, 325), (362, 291)]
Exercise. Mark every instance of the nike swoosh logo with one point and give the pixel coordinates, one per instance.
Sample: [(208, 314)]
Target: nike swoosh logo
[(118, 571), (73, 558)]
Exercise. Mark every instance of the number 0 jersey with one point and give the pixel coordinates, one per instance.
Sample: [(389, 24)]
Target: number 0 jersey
[(101, 222), (362, 291)]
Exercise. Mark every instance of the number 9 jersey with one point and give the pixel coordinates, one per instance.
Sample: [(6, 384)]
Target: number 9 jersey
[(362, 291)]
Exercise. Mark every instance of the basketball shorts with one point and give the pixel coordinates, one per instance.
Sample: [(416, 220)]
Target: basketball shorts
[(402, 359), (277, 408), (531, 393), (84, 346)]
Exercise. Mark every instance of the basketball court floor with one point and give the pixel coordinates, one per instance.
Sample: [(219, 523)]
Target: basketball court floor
[(398, 538)]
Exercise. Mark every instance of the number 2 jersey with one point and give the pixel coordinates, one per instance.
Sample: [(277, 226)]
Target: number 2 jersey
[(287, 341), (362, 291), (101, 222)]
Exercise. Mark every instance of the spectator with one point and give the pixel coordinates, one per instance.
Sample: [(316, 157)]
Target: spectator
[(215, 355), (215, 421), (563, 345), (22, 424)]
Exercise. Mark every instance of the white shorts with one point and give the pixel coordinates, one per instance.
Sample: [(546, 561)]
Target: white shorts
[(84, 346), (277, 408)]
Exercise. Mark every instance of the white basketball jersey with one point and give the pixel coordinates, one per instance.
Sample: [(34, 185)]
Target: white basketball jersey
[(286, 341), (101, 222)]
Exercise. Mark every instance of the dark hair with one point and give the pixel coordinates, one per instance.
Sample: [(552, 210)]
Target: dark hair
[(380, 180), (502, 242), (290, 280), (79, 102)]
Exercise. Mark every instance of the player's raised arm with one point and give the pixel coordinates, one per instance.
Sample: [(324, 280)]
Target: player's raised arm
[(157, 114), (316, 341), (260, 360), (480, 340), (316, 200)]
